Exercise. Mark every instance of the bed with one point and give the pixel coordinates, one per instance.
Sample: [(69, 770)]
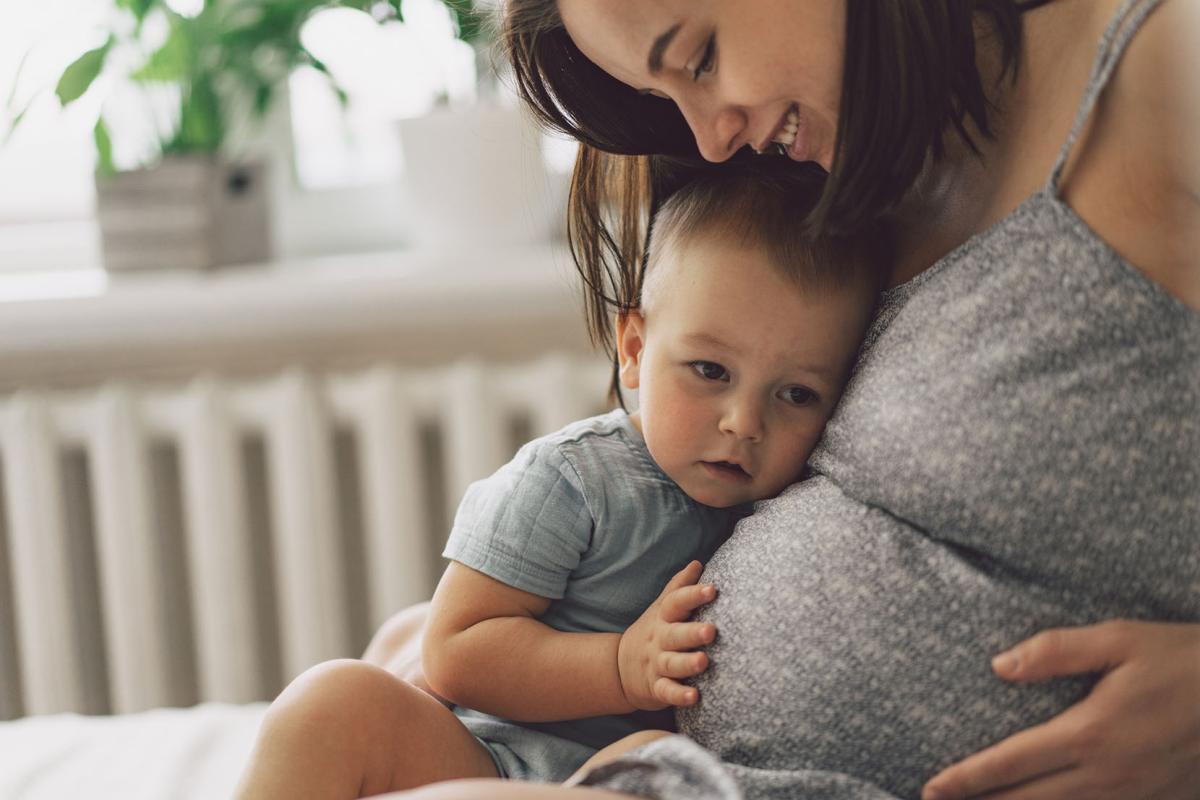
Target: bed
[(177, 753)]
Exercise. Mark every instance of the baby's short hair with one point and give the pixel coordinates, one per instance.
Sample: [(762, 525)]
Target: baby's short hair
[(757, 208)]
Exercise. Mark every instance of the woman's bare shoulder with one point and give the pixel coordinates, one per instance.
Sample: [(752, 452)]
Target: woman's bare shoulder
[(1135, 174)]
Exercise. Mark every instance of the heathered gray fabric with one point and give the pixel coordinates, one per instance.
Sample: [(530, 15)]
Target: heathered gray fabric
[(1017, 450)]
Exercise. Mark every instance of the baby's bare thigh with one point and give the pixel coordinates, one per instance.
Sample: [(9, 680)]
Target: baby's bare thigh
[(404, 736)]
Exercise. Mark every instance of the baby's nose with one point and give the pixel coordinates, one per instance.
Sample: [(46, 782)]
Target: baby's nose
[(744, 421)]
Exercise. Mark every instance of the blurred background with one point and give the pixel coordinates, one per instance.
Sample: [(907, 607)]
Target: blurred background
[(316, 90), (278, 279)]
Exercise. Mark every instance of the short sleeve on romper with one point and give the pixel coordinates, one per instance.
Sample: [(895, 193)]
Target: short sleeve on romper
[(527, 525)]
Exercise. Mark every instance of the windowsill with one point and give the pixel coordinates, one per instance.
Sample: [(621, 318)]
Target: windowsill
[(412, 306), (60, 284)]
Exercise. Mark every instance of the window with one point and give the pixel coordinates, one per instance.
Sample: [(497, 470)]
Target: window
[(389, 72), (46, 193), (340, 186)]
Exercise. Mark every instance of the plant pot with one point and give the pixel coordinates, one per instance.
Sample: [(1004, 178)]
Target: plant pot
[(188, 212), (476, 176)]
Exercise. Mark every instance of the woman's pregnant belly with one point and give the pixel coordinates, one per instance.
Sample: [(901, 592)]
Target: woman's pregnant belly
[(852, 642)]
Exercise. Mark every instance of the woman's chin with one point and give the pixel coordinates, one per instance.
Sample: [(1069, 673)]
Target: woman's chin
[(809, 152)]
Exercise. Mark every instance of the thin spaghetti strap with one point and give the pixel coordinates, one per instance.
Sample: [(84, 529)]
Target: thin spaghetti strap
[(1120, 32)]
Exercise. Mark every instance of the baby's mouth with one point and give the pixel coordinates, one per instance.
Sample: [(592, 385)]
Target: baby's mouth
[(727, 470)]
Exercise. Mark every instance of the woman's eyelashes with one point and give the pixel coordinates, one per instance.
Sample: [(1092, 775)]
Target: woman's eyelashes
[(708, 59)]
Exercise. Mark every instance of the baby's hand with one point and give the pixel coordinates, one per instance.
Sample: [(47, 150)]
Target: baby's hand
[(659, 649)]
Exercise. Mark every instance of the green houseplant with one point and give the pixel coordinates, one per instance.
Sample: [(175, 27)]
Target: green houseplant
[(222, 64), (232, 54)]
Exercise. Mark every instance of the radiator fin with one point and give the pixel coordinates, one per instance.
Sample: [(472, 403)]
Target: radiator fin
[(166, 545)]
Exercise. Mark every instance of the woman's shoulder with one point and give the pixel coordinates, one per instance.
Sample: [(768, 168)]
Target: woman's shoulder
[(1134, 173)]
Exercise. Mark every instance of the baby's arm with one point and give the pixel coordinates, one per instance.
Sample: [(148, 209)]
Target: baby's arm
[(485, 648)]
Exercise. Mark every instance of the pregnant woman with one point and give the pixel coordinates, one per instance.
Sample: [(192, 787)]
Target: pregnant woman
[(1018, 449)]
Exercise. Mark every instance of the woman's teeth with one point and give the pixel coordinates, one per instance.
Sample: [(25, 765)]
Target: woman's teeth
[(787, 134)]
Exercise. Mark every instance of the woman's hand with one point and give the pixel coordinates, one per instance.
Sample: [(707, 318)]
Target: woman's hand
[(1136, 735), (658, 650)]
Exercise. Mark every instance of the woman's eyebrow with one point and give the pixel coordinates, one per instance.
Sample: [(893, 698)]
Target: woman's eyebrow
[(655, 59)]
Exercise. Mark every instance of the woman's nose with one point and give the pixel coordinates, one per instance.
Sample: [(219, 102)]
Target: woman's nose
[(743, 419), (718, 133)]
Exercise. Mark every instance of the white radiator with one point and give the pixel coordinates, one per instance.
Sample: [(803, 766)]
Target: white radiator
[(167, 545)]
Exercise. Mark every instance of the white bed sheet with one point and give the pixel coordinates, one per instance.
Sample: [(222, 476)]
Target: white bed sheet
[(165, 754)]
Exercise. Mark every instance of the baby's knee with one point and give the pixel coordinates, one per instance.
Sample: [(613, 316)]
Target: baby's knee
[(340, 695)]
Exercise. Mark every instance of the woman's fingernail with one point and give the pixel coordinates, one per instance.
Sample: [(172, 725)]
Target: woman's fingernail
[(1005, 662)]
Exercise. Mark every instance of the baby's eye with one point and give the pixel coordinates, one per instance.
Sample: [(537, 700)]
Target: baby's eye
[(799, 395), (710, 370)]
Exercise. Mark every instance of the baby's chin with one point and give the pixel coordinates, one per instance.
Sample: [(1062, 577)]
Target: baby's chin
[(716, 498)]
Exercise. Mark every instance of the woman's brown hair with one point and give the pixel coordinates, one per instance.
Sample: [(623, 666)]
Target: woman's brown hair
[(910, 78)]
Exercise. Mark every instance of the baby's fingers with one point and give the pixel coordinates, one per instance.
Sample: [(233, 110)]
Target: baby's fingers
[(688, 635), (674, 693), (686, 576), (679, 604), (681, 665)]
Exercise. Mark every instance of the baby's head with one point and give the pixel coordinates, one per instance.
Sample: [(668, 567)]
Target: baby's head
[(745, 334)]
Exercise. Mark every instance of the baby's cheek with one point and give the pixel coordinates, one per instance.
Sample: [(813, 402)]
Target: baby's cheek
[(789, 460), (672, 435)]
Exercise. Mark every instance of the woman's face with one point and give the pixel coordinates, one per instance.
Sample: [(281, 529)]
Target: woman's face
[(743, 73)]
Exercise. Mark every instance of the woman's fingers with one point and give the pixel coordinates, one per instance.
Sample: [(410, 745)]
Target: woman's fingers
[(1136, 734), (679, 604), (1065, 651), (674, 693), (1069, 783), (681, 665), (1034, 752)]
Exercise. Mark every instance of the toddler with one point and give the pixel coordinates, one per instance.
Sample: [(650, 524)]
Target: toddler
[(561, 624)]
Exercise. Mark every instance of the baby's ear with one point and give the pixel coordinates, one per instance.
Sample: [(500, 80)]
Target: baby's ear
[(631, 344)]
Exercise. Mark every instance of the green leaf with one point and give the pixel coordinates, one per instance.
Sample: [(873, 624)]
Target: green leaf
[(263, 94), (12, 128), (79, 76), (467, 19), (11, 100), (168, 63), (396, 7), (139, 8), (313, 61), (201, 126), (104, 159), (343, 97)]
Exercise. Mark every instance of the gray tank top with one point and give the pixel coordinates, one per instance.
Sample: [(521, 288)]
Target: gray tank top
[(1018, 450)]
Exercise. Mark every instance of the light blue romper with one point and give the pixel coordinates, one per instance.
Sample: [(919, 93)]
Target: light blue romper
[(585, 518)]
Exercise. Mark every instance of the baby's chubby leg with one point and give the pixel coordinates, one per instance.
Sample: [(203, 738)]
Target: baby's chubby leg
[(347, 729)]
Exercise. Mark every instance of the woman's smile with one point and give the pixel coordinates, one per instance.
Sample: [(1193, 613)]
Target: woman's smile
[(765, 74), (791, 138)]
